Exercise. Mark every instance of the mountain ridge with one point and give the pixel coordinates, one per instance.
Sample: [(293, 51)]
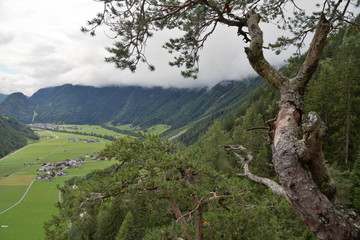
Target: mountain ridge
[(140, 106)]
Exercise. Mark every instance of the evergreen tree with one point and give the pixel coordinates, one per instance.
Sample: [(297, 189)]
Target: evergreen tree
[(214, 152), (355, 188), (126, 228)]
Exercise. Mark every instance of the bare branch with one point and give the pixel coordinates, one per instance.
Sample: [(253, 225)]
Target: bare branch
[(95, 197), (116, 169), (274, 186), (257, 128), (203, 202)]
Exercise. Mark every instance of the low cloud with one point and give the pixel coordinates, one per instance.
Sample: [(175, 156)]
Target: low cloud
[(46, 48)]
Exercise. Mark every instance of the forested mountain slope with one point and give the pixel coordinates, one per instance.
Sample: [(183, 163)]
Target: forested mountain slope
[(2, 97), (13, 135), (18, 106), (122, 105)]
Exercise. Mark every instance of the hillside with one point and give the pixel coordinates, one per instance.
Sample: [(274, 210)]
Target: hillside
[(18, 106), (2, 97), (123, 105), (13, 135)]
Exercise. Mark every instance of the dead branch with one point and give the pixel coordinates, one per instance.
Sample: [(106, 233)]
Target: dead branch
[(116, 169), (245, 162), (203, 202), (257, 128), (177, 212), (95, 197)]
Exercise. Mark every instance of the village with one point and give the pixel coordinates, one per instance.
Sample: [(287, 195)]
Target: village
[(51, 170), (89, 140), (49, 126)]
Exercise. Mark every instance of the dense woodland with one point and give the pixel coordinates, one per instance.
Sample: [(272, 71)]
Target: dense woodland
[(13, 135), (163, 190)]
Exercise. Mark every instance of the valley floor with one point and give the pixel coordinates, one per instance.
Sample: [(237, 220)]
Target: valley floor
[(25, 203)]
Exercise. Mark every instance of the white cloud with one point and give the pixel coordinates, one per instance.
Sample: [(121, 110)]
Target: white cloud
[(41, 41)]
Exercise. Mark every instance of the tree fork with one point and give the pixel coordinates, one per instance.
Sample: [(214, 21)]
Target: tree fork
[(289, 152)]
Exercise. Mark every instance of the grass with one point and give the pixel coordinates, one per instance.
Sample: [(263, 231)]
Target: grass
[(89, 129), (8, 170), (8, 194), (25, 221), (158, 129)]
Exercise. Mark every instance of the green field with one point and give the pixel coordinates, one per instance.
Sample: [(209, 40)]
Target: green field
[(90, 129), (18, 171), (158, 129)]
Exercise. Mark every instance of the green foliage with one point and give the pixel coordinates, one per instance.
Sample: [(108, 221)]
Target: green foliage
[(223, 100), (18, 105), (213, 149), (13, 135), (137, 198), (355, 184), (334, 94), (125, 230), (109, 219)]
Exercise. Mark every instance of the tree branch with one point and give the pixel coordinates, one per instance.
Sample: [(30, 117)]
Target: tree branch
[(255, 53), (179, 216), (95, 197), (310, 151), (316, 47), (274, 186)]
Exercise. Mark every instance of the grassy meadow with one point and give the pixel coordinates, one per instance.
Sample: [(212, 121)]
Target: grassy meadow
[(90, 129), (18, 171)]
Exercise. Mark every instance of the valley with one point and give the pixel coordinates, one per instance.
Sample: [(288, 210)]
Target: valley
[(26, 202)]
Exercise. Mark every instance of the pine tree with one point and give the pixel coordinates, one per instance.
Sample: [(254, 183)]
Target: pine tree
[(125, 230), (355, 188)]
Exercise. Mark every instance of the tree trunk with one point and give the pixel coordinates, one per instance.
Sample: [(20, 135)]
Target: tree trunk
[(315, 208), (348, 125), (291, 152)]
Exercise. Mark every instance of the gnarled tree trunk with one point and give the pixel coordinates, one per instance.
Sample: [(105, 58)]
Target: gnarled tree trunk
[(311, 195)]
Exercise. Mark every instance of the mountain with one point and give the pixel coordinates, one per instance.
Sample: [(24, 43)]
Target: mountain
[(13, 135), (2, 97), (18, 106), (74, 104)]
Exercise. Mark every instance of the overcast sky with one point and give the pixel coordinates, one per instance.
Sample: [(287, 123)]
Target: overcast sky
[(41, 45)]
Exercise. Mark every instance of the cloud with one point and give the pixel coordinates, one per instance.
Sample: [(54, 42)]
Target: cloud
[(41, 41), (14, 81)]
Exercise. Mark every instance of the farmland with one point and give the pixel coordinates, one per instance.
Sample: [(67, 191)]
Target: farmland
[(22, 217)]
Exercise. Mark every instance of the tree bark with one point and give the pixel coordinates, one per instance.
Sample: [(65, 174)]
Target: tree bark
[(179, 216), (315, 208), (291, 152)]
